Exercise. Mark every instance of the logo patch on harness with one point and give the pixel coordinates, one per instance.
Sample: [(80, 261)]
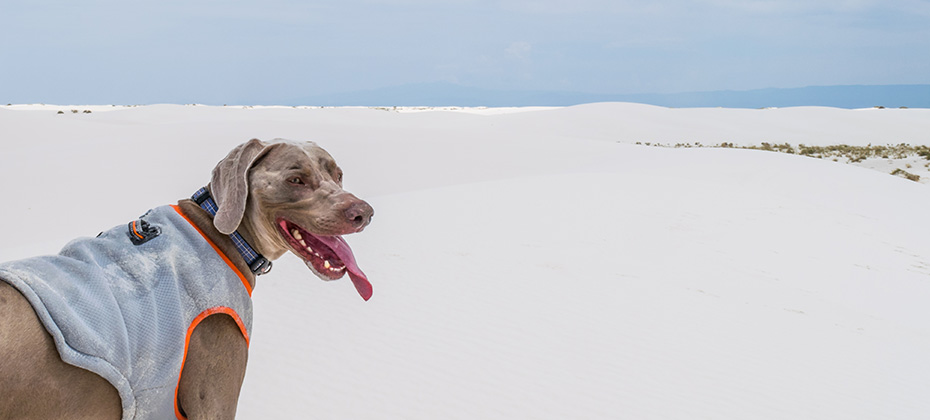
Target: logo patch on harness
[(141, 232)]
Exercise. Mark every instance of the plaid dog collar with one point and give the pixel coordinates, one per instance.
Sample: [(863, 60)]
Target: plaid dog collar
[(256, 262)]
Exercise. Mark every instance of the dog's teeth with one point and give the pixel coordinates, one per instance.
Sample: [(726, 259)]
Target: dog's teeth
[(303, 243), (297, 235), (310, 250), (327, 265)]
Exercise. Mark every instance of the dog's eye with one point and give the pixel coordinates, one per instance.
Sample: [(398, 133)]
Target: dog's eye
[(296, 181)]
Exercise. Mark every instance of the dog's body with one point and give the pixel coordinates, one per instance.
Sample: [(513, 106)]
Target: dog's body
[(280, 197), (118, 310)]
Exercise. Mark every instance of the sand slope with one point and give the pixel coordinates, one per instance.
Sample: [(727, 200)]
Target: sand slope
[(539, 264)]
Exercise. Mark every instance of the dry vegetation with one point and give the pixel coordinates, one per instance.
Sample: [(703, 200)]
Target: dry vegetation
[(851, 154)]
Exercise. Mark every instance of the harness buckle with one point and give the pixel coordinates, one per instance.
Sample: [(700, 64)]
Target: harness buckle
[(260, 266)]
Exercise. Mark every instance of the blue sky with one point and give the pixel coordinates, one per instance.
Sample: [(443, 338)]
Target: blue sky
[(127, 52)]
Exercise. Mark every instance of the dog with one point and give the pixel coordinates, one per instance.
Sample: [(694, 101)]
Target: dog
[(151, 319)]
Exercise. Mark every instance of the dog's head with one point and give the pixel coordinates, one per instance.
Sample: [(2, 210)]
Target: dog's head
[(288, 196)]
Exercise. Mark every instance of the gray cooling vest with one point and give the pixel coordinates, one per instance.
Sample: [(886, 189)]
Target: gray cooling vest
[(124, 311)]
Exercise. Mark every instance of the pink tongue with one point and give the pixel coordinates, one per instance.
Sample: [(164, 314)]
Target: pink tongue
[(342, 250)]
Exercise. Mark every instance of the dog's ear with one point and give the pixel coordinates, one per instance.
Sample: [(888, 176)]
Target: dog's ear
[(230, 183)]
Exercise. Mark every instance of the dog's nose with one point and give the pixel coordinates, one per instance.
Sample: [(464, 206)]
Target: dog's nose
[(359, 214)]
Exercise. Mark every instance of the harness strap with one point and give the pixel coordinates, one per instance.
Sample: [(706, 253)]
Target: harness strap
[(256, 262)]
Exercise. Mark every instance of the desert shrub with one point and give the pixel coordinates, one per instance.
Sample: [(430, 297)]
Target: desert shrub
[(905, 174), (924, 152), (784, 148)]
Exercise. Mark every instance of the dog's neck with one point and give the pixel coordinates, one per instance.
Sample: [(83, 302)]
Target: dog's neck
[(204, 221)]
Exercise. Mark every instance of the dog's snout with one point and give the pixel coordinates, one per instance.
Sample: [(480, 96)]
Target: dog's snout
[(359, 214)]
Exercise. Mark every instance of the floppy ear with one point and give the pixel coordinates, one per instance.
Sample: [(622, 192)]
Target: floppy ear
[(229, 185)]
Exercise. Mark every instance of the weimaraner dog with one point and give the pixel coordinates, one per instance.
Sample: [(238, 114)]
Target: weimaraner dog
[(273, 197)]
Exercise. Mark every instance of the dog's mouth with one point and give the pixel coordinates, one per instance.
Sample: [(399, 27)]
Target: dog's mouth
[(329, 257)]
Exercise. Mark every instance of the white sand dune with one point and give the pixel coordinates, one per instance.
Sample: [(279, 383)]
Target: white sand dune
[(539, 264)]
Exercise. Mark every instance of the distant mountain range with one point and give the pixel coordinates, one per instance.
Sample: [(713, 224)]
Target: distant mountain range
[(449, 94)]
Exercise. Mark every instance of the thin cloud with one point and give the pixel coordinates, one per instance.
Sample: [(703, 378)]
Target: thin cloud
[(519, 50)]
